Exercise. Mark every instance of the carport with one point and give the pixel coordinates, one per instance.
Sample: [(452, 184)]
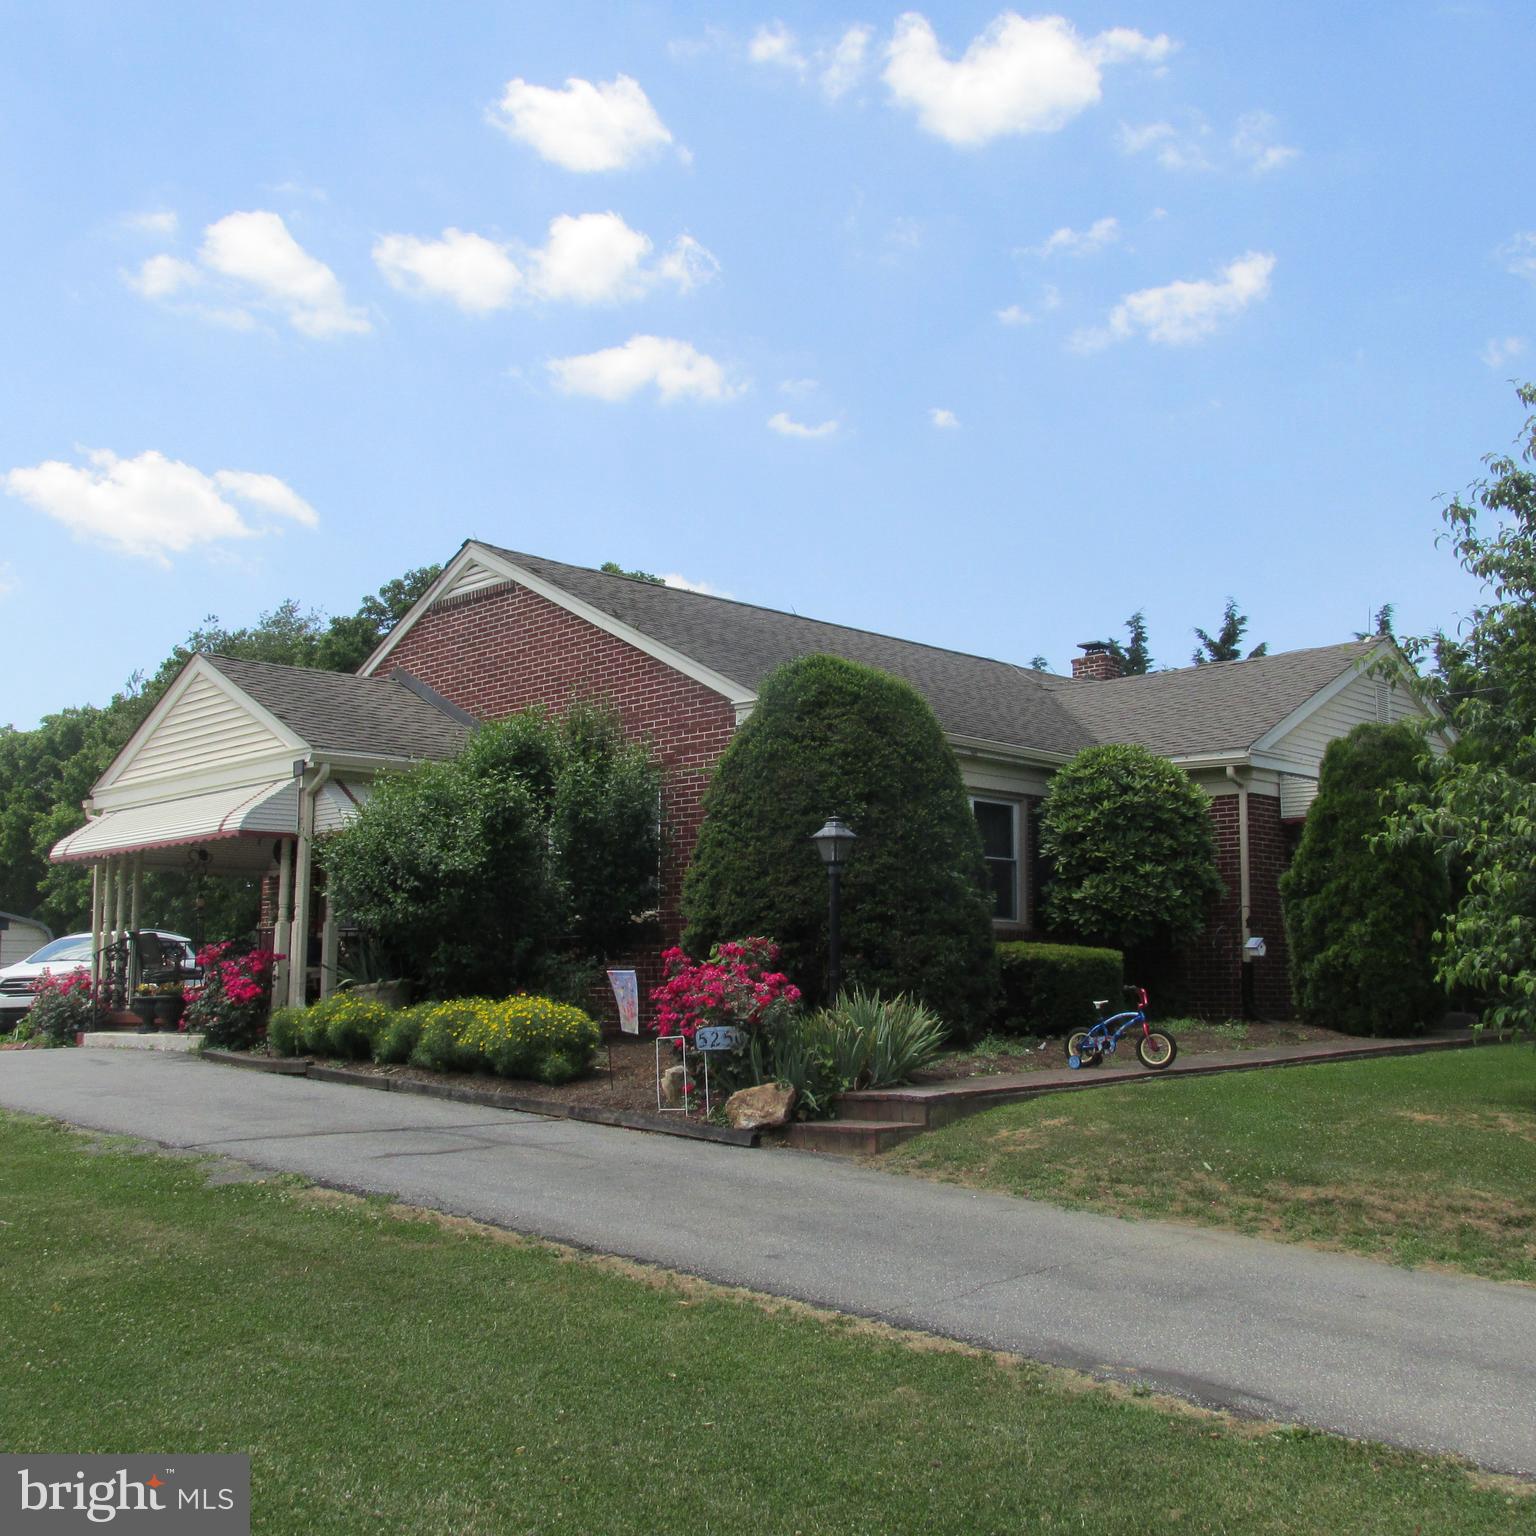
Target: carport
[(239, 768)]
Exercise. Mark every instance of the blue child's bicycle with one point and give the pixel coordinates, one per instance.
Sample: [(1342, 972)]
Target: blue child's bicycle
[(1155, 1048)]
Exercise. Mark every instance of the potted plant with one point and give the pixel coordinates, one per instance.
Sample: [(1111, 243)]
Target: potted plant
[(144, 1007), (170, 1003)]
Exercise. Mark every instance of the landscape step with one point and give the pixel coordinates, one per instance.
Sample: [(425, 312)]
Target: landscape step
[(851, 1138)]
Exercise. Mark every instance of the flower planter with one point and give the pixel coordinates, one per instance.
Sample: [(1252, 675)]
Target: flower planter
[(144, 1012), (168, 1011)]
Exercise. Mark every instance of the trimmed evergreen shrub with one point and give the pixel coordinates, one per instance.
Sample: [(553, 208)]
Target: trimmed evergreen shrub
[(1360, 916), (1049, 989), (832, 738), (1132, 857)]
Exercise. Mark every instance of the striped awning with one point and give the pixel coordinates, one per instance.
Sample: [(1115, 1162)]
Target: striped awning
[(250, 812)]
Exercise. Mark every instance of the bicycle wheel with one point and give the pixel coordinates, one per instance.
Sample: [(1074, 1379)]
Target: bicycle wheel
[(1156, 1049), (1083, 1045)]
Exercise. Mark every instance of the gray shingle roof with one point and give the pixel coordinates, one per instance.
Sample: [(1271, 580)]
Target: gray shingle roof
[(338, 712), (972, 695), (1224, 707)]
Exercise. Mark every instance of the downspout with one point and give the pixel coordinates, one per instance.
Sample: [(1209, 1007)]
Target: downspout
[(1239, 776)]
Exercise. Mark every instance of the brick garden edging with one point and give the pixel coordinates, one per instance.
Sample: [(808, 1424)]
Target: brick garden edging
[(527, 1104)]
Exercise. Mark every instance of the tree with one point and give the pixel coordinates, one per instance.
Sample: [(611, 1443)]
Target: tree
[(1132, 857), (1480, 803), (1226, 645), (613, 568), (1135, 658), (831, 737), (1039, 664), (1382, 622), (537, 845), (1359, 917)]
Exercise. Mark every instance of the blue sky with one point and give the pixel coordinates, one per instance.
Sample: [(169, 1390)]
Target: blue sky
[(979, 327)]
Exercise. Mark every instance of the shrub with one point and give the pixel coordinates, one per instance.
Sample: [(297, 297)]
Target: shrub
[(283, 1031), (526, 1037), (63, 1005), (229, 1007), (394, 1043), (1359, 916), (831, 737), (1127, 836), (484, 873), (1049, 989)]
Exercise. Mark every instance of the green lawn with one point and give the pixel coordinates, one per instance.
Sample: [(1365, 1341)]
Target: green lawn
[(403, 1375), (1416, 1159)]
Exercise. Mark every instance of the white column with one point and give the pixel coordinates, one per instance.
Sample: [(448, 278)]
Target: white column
[(119, 922), (133, 918), (328, 949), (98, 903), (298, 948), (282, 922)]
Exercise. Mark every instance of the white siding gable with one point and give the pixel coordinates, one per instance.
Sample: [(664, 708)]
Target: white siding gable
[(204, 728), (475, 577), (1365, 699)]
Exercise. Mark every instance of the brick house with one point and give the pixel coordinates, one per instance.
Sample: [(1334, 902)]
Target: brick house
[(500, 630)]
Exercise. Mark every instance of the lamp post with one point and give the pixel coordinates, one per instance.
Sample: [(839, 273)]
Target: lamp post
[(833, 843)]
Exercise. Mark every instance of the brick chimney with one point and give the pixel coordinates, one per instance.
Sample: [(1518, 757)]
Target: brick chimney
[(1097, 661)]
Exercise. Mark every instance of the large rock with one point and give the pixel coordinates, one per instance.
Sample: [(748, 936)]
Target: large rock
[(760, 1108)]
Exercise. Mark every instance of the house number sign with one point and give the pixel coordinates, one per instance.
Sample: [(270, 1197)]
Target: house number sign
[(719, 1037)]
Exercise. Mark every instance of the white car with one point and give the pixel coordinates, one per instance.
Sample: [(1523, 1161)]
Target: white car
[(71, 953)]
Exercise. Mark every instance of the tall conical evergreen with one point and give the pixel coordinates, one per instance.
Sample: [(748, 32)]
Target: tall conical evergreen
[(832, 738)]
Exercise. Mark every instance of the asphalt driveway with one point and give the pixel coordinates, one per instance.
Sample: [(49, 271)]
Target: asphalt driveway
[(1434, 1362)]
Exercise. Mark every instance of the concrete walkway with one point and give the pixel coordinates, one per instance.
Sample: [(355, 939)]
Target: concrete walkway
[(1434, 1362)]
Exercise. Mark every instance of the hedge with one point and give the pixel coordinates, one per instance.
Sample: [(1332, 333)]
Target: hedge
[(1049, 989), (522, 1037)]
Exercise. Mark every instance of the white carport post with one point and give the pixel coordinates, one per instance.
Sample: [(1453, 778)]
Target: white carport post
[(282, 925), (119, 920), (303, 883), (98, 907), (133, 920)]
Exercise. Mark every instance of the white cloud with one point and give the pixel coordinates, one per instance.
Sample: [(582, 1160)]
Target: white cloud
[(1502, 350), (161, 222), (682, 584), (255, 249), (1015, 314), (589, 258), (475, 273), (774, 43), (1080, 242), (842, 65), (583, 127), (152, 506), (1019, 76), (786, 426), (1518, 254), (1254, 145), (675, 368), (945, 421), (838, 66), (161, 277), (1183, 312), (798, 386), (1255, 142)]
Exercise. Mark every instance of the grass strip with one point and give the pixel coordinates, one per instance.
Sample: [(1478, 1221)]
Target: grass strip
[(419, 1375), (1418, 1160)]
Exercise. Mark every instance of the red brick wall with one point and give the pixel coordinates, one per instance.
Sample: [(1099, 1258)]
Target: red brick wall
[(1209, 970), (505, 648)]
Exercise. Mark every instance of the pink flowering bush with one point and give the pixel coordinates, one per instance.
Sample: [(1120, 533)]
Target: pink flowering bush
[(738, 984), (64, 1004), (230, 1007)]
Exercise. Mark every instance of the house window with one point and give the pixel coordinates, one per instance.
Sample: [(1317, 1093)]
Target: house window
[(998, 821)]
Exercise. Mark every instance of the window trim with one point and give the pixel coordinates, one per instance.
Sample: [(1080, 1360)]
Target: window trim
[(1015, 810)]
